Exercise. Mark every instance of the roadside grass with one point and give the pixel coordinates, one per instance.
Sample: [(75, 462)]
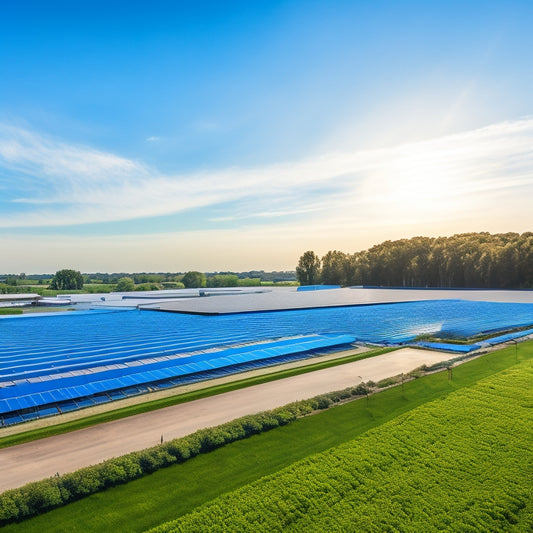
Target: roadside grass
[(10, 311), (462, 462), (174, 491), (152, 405)]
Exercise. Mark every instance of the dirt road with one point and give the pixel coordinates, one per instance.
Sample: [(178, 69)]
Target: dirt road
[(65, 453)]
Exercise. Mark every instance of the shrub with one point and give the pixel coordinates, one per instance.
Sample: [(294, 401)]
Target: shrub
[(321, 402), (387, 382), (178, 449), (360, 390), (252, 425), (41, 496), (9, 510)]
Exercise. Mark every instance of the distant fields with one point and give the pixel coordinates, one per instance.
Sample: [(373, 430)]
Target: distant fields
[(461, 463), (175, 491)]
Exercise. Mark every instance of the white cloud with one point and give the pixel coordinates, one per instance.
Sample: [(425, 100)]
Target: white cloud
[(436, 178)]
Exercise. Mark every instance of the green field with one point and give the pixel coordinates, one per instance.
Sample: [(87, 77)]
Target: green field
[(10, 311), (179, 489), (461, 463)]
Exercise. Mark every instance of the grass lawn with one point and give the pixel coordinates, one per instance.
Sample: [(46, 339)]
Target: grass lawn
[(460, 463), (176, 490), (10, 311)]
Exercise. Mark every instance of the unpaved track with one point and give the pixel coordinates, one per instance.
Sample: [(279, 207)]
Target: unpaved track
[(65, 453)]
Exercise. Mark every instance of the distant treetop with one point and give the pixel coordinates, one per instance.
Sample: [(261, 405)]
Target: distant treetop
[(66, 279), (469, 260)]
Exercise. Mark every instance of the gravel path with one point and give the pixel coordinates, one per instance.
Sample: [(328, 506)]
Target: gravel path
[(66, 453)]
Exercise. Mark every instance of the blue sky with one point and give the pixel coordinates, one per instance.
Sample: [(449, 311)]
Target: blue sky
[(236, 135)]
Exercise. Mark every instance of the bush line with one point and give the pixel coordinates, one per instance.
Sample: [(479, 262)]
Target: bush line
[(41, 496)]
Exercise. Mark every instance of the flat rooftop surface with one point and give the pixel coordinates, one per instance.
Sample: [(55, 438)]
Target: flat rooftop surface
[(285, 298)]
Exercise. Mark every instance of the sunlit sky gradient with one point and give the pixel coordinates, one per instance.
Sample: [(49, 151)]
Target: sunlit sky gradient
[(169, 136)]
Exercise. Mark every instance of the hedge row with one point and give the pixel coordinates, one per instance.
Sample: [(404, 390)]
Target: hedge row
[(41, 496), (459, 463)]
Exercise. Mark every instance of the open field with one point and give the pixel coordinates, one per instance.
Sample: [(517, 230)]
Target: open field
[(462, 463), (65, 453), (177, 490), (10, 311)]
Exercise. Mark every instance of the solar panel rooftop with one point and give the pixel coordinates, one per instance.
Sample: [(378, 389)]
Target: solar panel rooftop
[(75, 356)]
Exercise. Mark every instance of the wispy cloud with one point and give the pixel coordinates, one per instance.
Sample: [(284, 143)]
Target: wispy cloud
[(53, 183)]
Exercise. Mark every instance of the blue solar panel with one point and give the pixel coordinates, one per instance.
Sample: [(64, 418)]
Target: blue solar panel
[(459, 348), (163, 343), (85, 402), (27, 416), (47, 411), (507, 337), (65, 407), (12, 418), (58, 395)]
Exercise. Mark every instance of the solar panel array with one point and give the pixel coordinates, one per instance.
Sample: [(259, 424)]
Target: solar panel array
[(69, 360), (466, 348)]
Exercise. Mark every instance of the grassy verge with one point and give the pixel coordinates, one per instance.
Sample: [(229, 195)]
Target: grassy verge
[(432, 469), (10, 311), (124, 412), (174, 491)]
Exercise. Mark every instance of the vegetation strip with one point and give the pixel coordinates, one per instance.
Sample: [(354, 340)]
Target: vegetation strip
[(41, 496), (10, 311), (463, 463), (153, 405), (166, 496)]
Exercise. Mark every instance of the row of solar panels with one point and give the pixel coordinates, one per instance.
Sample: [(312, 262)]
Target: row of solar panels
[(448, 347), (238, 354), (32, 413), (128, 333), (466, 348), (66, 345), (26, 395), (507, 337), (379, 321), (79, 341), (65, 361)]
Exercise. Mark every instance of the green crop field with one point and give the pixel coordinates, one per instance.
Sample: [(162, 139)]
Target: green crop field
[(177, 490), (10, 311), (461, 463)]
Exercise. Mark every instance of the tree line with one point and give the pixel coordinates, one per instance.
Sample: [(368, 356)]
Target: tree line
[(470, 260), (68, 280)]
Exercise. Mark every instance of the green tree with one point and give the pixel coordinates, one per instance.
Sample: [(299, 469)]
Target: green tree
[(194, 279), (308, 269), (223, 280), (67, 279), (125, 285), (333, 268)]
